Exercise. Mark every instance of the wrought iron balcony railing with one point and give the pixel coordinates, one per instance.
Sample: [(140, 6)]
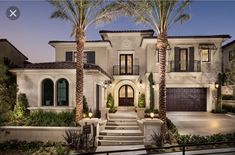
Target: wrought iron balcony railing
[(126, 70), (180, 66)]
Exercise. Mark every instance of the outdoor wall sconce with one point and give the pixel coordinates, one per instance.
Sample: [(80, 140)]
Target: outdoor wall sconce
[(216, 85), (90, 114), (107, 82), (153, 85), (151, 115), (140, 83)]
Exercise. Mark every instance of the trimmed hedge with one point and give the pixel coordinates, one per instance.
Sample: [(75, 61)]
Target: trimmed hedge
[(40, 118)]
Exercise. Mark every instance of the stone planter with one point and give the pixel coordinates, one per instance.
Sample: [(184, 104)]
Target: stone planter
[(140, 113), (149, 127)]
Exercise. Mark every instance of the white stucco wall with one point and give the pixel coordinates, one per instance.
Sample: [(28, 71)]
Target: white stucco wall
[(29, 82)]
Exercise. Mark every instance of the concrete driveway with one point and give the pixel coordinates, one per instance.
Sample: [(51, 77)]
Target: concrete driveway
[(202, 123)]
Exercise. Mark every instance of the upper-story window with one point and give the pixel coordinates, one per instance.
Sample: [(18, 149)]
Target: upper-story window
[(69, 56), (89, 56), (205, 53)]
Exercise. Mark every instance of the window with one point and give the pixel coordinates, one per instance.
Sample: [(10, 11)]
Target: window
[(205, 55), (62, 92), (231, 55), (69, 56), (89, 57), (47, 92)]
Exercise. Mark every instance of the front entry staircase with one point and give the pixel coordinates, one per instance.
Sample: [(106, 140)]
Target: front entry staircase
[(121, 129)]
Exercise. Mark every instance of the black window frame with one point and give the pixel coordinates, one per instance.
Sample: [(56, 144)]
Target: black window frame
[(66, 103), (71, 57), (45, 91)]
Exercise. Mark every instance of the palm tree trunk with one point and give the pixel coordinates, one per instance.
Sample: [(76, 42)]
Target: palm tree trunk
[(80, 42), (162, 44)]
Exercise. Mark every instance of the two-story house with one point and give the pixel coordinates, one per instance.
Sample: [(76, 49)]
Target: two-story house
[(10, 55), (120, 64)]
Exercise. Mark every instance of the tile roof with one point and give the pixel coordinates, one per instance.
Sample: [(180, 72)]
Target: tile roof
[(5, 40), (125, 31), (62, 65), (228, 44)]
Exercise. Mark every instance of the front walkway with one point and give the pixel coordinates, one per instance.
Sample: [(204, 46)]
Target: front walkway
[(202, 123)]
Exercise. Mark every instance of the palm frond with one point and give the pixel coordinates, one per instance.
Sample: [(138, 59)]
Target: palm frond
[(182, 18)]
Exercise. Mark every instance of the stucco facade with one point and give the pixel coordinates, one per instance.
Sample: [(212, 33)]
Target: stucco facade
[(126, 59)]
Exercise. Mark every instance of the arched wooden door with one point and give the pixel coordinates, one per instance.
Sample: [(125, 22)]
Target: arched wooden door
[(126, 96)]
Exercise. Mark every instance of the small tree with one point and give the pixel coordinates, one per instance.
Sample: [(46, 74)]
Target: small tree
[(141, 101), (151, 83), (20, 109), (8, 90), (85, 106), (110, 103)]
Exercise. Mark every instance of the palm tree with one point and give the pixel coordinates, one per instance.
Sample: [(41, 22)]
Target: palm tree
[(81, 14), (160, 15)]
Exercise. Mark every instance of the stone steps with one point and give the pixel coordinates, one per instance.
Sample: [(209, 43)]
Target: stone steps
[(119, 142), (101, 137), (121, 129)]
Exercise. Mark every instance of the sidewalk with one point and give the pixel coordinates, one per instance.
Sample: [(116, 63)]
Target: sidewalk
[(113, 148)]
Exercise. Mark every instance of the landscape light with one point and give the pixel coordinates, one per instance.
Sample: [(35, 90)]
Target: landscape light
[(151, 115), (90, 114), (216, 85)]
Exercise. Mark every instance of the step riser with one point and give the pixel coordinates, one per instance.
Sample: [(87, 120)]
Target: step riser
[(121, 138), (121, 117), (121, 134), (121, 124), (123, 120), (118, 144), (122, 128)]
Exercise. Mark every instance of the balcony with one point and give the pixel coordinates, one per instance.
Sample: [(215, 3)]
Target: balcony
[(126, 70), (184, 67)]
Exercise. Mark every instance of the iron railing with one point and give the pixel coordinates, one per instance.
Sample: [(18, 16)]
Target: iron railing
[(196, 67), (184, 149), (126, 70)]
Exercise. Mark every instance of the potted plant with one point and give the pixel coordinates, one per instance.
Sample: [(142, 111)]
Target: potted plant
[(141, 107)]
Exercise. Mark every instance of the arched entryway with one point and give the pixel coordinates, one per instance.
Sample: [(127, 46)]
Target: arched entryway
[(126, 96)]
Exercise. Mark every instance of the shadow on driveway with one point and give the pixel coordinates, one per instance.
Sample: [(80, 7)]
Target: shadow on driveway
[(202, 123)]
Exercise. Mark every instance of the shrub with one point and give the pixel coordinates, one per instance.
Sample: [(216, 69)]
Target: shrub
[(20, 109), (40, 118), (85, 106), (141, 101), (227, 97), (151, 110), (157, 139), (110, 104), (151, 83), (73, 139), (228, 107)]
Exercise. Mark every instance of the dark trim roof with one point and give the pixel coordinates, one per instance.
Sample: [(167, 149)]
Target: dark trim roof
[(62, 65), (228, 44), (125, 31), (190, 37), (5, 40), (89, 41)]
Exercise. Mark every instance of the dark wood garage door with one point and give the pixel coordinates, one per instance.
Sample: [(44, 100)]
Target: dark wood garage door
[(186, 99)]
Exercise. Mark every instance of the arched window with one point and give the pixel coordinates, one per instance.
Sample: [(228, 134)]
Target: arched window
[(62, 92), (47, 92)]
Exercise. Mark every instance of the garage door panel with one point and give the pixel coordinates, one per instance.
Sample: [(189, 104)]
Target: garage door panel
[(186, 99)]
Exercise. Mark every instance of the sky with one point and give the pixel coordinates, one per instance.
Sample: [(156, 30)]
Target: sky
[(32, 31)]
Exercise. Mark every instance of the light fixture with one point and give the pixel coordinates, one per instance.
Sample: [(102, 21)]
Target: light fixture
[(151, 115), (153, 85), (84, 115), (140, 83), (216, 85), (90, 114)]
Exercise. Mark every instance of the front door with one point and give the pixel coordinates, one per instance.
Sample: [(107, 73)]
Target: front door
[(126, 96), (126, 64)]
